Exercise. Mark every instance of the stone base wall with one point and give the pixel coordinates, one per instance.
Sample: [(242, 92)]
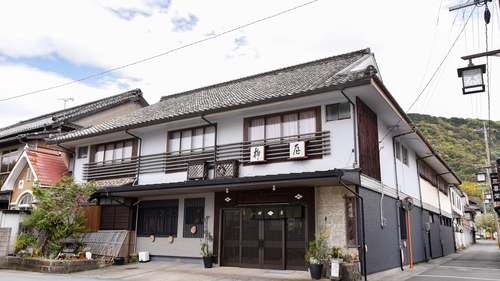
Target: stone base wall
[(4, 240), (48, 266)]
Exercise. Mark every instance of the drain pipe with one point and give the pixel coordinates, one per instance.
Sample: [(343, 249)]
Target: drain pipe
[(354, 120), (424, 232), (215, 144), (138, 156), (398, 201), (363, 246)]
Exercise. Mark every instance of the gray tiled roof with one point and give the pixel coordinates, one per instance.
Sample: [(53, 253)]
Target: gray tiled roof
[(281, 83), (47, 120)]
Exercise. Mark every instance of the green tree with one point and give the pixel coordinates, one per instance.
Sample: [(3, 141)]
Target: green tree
[(473, 190), (485, 221), (58, 212)]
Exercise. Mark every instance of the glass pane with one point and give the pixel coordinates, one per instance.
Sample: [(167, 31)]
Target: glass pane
[(344, 110), (250, 241), (273, 127), (127, 149), (99, 154), (290, 124), (273, 242), (174, 142), (256, 129), (209, 137), (295, 237), (118, 152), (231, 237), (332, 112), (197, 143), (186, 141), (307, 122)]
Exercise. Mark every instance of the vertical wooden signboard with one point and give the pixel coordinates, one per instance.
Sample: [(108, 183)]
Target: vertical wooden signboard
[(351, 219)]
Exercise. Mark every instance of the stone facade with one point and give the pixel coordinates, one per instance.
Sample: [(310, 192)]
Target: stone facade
[(49, 266)]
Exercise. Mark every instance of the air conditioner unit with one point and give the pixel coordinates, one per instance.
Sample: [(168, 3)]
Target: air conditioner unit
[(197, 171), (227, 169), (21, 184)]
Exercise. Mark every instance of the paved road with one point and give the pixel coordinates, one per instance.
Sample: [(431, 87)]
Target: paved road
[(480, 262)]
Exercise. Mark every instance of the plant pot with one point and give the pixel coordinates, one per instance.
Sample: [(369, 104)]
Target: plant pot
[(74, 257), (315, 270), (207, 262), (81, 256), (119, 261)]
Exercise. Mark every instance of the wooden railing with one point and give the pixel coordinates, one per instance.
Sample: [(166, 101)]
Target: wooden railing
[(277, 150)]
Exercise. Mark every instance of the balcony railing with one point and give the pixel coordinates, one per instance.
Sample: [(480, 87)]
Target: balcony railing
[(277, 150)]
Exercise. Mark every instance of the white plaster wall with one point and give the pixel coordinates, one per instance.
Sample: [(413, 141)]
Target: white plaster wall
[(180, 247), (429, 194), (13, 221)]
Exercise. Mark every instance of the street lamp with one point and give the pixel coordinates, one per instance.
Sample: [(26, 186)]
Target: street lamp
[(472, 78), (481, 176)]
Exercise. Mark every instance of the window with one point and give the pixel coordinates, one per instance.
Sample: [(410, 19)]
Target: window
[(192, 140), (158, 218), (431, 218), (29, 174), (272, 128), (338, 111), (24, 203), (194, 212), (9, 158), (83, 152), (122, 150), (404, 155)]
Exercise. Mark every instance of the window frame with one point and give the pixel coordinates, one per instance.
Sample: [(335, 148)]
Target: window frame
[(189, 205), (192, 138), (248, 121), (94, 149), (168, 207), (25, 206), (10, 154), (83, 152), (338, 111)]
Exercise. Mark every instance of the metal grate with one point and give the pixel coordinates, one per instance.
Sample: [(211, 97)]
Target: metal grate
[(227, 169), (197, 171)]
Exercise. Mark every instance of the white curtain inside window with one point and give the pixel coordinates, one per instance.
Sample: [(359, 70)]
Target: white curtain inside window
[(109, 152), (209, 137), (118, 152), (99, 154), (127, 149), (273, 128), (256, 129), (197, 142), (174, 143), (307, 122), (186, 139), (290, 124)]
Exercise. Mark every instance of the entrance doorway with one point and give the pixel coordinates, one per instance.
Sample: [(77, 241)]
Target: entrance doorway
[(262, 243)]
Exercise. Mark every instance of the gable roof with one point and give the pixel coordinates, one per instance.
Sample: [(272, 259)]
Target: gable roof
[(61, 117), (47, 167), (270, 86)]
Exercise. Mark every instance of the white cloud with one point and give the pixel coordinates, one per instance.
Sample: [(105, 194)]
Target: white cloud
[(110, 34)]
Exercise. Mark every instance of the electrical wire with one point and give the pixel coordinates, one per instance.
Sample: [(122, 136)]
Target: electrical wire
[(162, 54), (433, 75)]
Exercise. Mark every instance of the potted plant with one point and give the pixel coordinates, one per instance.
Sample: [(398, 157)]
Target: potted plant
[(206, 250), (318, 253), (335, 261)]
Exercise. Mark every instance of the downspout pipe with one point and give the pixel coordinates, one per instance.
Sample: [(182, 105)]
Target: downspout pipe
[(424, 232), (398, 205), (363, 244), (72, 153), (138, 156), (354, 121), (215, 144)]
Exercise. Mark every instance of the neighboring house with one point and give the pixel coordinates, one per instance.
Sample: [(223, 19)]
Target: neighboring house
[(26, 157), (457, 205), (270, 158), (470, 211)]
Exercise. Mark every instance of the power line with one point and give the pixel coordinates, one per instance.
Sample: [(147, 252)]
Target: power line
[(162, 54)]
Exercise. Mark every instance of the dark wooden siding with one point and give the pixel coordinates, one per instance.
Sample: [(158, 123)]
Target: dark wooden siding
[(92, 218), (115, 217), (369, 158)]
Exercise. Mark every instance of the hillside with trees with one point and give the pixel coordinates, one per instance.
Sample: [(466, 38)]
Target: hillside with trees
[(461, 142)]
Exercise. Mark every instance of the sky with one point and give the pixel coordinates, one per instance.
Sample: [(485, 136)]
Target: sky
[(58, 53)]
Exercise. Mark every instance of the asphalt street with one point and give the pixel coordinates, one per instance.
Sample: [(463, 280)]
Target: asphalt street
[(479, 262)]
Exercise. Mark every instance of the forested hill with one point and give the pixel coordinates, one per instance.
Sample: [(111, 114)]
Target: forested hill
[(460, 141)]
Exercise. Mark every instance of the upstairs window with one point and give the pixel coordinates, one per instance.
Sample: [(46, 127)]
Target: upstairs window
[(192, 140), (114, 151), (274, 128), (9, 158), (25, 203), (338, 111)]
